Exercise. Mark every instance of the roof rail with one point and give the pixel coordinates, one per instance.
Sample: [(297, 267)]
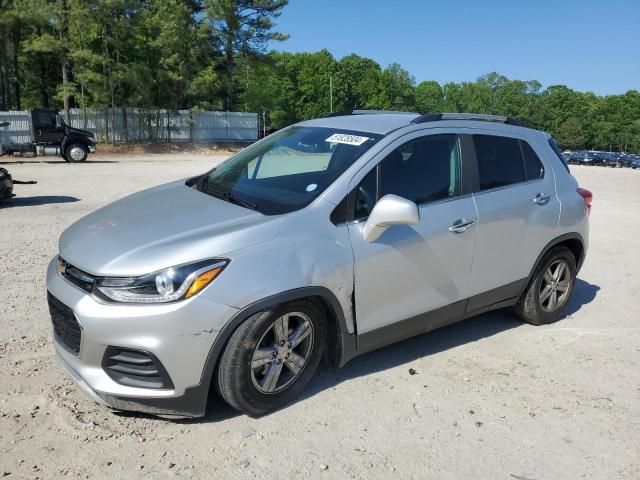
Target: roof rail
[(343, 113), (434, 117)]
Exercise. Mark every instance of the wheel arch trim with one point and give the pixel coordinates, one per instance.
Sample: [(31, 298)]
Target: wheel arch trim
[(73, 139), (554, 243), (345, 342)]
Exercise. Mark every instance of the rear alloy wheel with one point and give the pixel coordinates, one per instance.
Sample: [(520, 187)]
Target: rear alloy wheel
[(271, 357), (76, 153), (550, 288), (554, 288)]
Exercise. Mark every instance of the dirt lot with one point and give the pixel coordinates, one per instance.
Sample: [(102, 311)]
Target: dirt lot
[(491, 398)]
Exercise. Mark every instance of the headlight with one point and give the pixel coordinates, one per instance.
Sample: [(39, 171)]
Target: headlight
[(170, 285)]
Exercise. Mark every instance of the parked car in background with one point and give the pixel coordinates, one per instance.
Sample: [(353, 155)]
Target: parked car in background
[(582, 158), (624, 160), (6, 184)]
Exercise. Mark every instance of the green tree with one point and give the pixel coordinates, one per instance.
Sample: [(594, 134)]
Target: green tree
[(570, 134), (429, 97), (358, 84), (242, 27), (399, 85)]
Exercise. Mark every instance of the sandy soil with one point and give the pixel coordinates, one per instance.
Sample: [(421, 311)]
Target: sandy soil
[(490, 398), (149, 149)]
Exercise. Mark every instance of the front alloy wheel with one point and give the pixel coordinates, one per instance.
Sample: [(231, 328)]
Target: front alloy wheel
[(271, 356), (282, 353)]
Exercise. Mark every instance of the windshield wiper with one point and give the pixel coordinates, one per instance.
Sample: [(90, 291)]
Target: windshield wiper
[(230, 197)]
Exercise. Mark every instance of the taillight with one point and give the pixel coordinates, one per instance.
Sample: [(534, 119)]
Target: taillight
[(587, 197)]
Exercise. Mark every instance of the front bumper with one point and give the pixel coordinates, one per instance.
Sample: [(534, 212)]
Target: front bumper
[(180, 335), (6, 188), (92, 149)]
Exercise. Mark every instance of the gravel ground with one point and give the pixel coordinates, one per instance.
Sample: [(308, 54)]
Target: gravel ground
[(486, 398)]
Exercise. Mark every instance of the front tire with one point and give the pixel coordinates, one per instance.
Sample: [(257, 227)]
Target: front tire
[(550, 288), (76, 152), (271, 357)]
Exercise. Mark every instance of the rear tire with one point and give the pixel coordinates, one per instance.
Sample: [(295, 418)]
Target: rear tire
[(271, 357), (76, 152), (550, 288)]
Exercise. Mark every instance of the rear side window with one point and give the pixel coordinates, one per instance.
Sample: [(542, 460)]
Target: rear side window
[(532, 165), (499, 161)]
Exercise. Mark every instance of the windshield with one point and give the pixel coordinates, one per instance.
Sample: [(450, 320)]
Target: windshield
[(288, 170)]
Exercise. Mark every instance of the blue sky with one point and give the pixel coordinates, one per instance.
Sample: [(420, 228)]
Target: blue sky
[(588, 45)]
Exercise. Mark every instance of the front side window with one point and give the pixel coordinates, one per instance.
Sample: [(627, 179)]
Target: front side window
[(287, 171), (45, 119), (423, 170), (499, 161)]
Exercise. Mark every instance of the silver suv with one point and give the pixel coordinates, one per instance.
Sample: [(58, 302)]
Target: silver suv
[(332, 237)]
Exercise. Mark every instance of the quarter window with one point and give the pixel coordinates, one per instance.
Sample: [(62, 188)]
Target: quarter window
[(499, 161), (366, 194), (532, 166)]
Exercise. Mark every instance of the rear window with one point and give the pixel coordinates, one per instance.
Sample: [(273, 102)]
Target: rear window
[(499, 161)]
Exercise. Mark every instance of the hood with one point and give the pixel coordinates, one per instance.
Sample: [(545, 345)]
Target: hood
[(162, 227), (79, 131)]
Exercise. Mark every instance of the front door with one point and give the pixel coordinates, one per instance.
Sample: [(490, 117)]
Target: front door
[(414, 269), (47, 126)]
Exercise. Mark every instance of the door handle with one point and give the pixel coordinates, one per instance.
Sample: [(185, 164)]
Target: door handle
[(542, 198), (460, 226)]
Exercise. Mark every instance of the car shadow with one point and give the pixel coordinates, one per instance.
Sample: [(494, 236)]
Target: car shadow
[(583, 293), (37, 200), (410, 350), (391, 356), (55, 162), (407, 351)]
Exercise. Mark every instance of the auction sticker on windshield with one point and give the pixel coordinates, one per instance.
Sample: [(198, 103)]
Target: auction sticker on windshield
[(347, 139)]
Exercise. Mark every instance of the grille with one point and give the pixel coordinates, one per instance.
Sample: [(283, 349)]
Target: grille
[(76, 276), (65, 326), (135, 368)]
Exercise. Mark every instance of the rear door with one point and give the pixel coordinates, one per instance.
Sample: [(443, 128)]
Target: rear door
[(413, 269), (518, 214)]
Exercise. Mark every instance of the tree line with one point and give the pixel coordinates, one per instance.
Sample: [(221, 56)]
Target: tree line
[(146, 53), (211, 54), (296, 86)]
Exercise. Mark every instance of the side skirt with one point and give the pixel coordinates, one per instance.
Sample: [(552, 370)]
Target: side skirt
[(501, 297)]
